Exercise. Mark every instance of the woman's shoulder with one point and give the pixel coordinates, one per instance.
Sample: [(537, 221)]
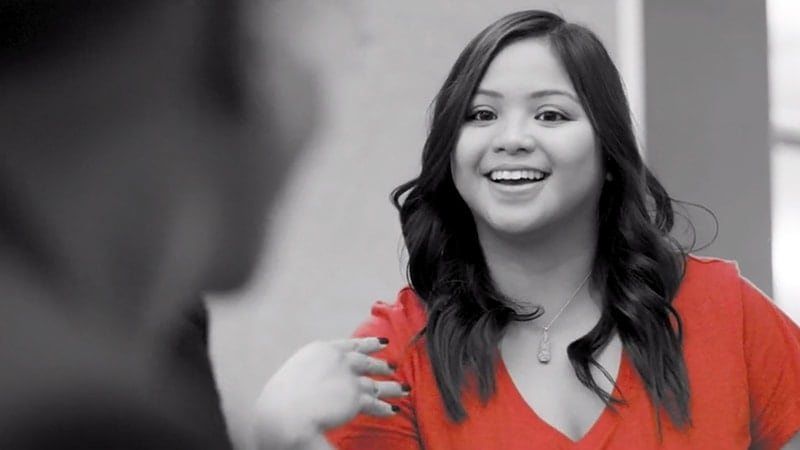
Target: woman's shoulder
[(730, 327), (711, 287), (710, 278), (401, 319), (711, 268), (715, 287)]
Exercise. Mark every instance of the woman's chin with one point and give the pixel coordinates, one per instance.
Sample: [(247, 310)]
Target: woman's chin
[(514, 227)]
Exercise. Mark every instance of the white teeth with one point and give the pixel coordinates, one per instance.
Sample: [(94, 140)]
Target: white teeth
[(527, 174)]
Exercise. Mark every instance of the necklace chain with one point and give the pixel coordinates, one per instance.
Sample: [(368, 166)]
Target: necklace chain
[(564, 306), (543, 354)]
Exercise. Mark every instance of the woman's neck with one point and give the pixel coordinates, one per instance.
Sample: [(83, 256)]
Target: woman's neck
[(540, 270)]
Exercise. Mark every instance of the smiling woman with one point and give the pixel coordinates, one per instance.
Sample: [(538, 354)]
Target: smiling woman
[(535, 229)]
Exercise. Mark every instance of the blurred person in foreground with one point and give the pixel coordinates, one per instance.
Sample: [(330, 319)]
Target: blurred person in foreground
[(137, 167)]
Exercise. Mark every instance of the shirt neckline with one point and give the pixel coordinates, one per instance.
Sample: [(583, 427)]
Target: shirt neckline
[(600, 430)]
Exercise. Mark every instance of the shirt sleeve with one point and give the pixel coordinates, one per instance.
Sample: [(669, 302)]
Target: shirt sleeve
[(772, 349), (398, 432)]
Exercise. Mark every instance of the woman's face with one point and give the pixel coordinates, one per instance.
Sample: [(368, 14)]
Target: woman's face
[(527, 160)]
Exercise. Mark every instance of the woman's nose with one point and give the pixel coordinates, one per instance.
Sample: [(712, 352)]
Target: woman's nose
[(515, 135)]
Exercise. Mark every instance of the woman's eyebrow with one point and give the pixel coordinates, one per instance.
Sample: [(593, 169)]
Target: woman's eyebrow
[(533, 95)]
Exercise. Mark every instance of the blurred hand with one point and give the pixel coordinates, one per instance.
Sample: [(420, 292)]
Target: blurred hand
[(322, 386)]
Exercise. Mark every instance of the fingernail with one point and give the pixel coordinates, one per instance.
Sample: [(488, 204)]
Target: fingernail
[(392, 366), (406, 388), (395, 408), (383, 340)]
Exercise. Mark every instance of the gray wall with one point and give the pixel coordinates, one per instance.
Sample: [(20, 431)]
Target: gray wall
[(707, 120)]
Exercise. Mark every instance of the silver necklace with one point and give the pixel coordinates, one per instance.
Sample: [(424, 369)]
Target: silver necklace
[(543, 355)]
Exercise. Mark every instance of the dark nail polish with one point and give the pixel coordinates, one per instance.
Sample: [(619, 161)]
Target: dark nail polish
[(383, 340), (392, 366), (395, 408), (406, 388)]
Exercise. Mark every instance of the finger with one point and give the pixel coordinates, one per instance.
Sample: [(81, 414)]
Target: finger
[(362, 364), (364, 345), (373, 406), (369, 386), (392, 389), (383, 389)]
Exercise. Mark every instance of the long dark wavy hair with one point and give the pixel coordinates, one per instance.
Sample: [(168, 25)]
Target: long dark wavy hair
[(638, 267)]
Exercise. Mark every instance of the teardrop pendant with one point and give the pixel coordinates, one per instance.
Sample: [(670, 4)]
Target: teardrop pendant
[(544, 348)]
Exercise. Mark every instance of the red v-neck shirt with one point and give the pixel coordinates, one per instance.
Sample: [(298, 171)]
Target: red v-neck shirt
[(742, 356)]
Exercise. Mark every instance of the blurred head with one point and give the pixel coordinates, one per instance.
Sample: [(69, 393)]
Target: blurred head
[(139, 155), (137, 144), (580, 140)]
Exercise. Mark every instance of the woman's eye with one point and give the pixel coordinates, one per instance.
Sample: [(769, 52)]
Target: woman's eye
[(551, 116), (481, 116)]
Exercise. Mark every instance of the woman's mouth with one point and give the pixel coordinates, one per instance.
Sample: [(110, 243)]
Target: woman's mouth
[(517, 176)]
